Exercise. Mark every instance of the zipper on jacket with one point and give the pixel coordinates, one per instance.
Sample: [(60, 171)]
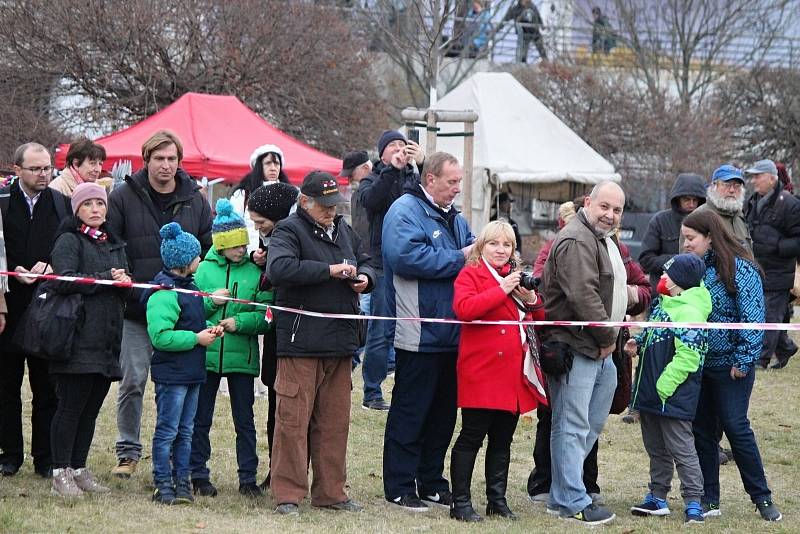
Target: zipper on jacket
[(224, 311), (296, 324)]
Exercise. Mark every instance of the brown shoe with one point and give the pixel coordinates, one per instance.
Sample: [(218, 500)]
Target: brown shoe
[(125, 468), (86, 481), (64, 484)]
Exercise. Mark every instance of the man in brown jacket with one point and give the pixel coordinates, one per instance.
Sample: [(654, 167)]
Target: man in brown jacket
[(584, 280)]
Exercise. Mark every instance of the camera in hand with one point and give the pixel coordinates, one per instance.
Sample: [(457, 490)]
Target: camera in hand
[(529, 282)]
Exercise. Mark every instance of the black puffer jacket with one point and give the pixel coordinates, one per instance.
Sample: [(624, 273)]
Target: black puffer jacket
[(298, 266), (775, 231), (375, 194), (661, 241), (97, 342), (134, 217)]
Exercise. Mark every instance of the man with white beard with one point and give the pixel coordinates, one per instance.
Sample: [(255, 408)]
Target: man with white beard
[(725, 197)]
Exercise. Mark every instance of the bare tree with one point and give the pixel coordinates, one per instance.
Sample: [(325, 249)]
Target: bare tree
[(649, 141), (689, 45), (297, 64), (428, 41)]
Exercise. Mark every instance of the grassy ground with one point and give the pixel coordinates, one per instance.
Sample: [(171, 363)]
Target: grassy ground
[(26, 506)]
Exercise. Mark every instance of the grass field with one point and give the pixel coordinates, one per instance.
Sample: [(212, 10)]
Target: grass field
[(26, 504)]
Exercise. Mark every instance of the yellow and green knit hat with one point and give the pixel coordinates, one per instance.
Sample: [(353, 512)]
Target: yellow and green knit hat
[(228, 229)]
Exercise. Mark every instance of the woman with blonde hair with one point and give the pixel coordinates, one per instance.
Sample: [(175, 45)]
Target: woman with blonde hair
[(497, 375)]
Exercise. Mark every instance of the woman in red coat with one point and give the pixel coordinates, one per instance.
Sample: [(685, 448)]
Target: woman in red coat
[(497, 379)]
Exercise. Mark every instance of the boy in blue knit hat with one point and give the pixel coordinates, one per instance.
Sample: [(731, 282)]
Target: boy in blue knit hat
[(667, 386), (227, 269), (176, 324)]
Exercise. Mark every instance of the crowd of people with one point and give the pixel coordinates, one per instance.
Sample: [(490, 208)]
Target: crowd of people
[(405, 253)]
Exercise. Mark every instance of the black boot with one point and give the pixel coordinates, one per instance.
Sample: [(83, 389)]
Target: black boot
[(496, 481), (461, 465)]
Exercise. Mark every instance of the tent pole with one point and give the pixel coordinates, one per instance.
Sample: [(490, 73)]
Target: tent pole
[(469, 140), (430, 141)]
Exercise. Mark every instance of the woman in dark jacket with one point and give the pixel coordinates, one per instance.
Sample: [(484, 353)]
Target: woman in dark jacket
[(266, 206), (85, 249)]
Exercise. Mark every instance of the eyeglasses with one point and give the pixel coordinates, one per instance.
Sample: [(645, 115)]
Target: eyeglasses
[(38, 170), (732, 184)]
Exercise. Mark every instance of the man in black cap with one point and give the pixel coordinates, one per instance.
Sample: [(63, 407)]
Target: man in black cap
[(773, 218), (355, 167), (503, 211), (396, 169), (313, 265)]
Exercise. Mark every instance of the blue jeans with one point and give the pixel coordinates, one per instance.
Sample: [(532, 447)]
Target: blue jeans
[(240, 387), (726, 401), (580, 401), (376, 352), (175, 409)]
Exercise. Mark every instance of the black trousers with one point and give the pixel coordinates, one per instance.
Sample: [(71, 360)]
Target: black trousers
[(12, 370), (540, 478), (477, 423), (80, 397), (420, 423)]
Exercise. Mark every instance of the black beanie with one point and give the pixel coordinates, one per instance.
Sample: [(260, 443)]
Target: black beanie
[(273, 201), (686, 270), (387, 137)]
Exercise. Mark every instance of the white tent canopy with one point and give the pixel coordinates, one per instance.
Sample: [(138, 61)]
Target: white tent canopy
[(517, 139)]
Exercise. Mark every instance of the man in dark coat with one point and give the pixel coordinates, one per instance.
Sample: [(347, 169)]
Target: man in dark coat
[(313, 265), (660, 242), (773, 217), (396, 169), (31, 214), (156, 195), (528, 25)]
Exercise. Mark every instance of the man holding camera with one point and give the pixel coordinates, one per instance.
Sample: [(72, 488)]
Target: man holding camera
[(584, 280), (393, 172)]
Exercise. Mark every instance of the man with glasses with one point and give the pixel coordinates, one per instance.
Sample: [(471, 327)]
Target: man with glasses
[(31, 213), (725, 197)]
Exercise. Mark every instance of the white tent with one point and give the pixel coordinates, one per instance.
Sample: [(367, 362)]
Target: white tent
[(517, 139)]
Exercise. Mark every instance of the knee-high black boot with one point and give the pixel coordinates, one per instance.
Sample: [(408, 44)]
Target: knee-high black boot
[(496, 482), (461, 465)]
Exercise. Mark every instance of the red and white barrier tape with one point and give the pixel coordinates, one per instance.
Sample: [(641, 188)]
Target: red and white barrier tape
[(588, 324)]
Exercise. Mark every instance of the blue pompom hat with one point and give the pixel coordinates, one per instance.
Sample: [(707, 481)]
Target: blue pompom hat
[(178, 248), (228, 229)]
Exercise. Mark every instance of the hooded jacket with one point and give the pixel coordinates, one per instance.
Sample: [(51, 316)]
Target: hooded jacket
[(375, 194), (422, 257), (98, 338), (775, 229), (670, 367), (661, 240), (235, 352), (134, 217), (173, 321), (298, 266)]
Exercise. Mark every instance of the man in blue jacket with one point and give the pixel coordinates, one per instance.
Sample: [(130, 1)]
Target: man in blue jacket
[(425, 244)]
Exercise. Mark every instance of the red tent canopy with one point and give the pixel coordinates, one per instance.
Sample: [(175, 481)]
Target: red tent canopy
[(218, 134)]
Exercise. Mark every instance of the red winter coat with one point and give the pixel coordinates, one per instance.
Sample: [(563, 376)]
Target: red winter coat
[(490, 357)]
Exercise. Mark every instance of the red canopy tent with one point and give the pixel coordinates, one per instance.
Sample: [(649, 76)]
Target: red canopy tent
[(218, 134)]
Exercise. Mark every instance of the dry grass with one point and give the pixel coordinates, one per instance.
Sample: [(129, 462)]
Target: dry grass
[(26, 506)]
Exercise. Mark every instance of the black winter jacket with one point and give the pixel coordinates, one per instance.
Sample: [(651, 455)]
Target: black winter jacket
[(775, 231), (134, 217), (298, 266), (661, 241), (96, 345), (376, 193)]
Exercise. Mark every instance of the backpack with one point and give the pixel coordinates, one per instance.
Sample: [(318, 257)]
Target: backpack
[(48, 326)]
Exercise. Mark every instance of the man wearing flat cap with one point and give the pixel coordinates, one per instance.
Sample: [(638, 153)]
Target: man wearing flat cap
[(773, 217), (313, 265)]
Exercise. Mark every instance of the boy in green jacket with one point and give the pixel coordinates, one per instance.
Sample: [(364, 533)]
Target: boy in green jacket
[(227, 267), (667, 386)]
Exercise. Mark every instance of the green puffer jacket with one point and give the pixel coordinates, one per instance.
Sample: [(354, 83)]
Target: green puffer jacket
[(235, 352)]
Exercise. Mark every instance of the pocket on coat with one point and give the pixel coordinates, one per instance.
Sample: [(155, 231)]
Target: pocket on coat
[(288, 409)]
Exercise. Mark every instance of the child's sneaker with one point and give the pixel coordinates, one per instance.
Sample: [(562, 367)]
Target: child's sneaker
[(711, 509), (164, 493), (651, 505), (183, 492), (693, 513)]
